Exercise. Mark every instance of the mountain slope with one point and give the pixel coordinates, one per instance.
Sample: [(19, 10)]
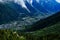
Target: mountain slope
[(49, 30), (7, 14), (49, 33), (25, 12), (45, 22)]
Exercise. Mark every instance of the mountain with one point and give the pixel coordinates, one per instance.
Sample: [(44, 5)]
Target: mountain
[(31, 9), (48, 33), (20, 13), (45, 22), (7, 14), (16, 10), (12, 11), (39, 7), (13, 15)]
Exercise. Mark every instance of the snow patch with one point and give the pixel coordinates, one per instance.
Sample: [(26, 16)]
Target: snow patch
[(22, 3), (37, 1), (1, 0)]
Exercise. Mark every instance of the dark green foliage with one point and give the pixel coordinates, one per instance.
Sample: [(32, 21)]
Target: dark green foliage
[(48, 33), (10, 35), (46, 37)]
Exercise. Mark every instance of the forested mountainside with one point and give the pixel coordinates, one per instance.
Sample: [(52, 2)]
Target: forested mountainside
[(49, 33), (45, 22)]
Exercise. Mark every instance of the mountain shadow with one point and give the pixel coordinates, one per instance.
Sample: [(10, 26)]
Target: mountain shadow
[(7, 14), (45, 22)]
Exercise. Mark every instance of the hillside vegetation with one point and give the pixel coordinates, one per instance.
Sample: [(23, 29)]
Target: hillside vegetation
[(10, 35), (48, 33)]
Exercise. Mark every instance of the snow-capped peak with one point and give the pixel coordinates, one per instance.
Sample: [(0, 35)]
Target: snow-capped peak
[(22, 3), (1, 0), (37, 1), (30, 1)]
